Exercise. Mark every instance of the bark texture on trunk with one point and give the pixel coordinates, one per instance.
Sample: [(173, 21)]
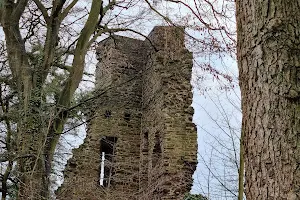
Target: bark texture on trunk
[(269, 65)]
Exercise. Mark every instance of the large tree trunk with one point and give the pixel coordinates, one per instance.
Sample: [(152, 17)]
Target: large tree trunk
[(31, 124), (34, 179), (269, 64)]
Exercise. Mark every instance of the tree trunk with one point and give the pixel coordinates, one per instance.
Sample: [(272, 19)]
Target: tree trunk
[(269, 67), (241, 169), (32, 138), (31, 121)]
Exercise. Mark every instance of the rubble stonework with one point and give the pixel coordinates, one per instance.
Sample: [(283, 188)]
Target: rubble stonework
[(144, 115)]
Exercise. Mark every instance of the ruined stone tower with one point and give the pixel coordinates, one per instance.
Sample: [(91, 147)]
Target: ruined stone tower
[(141, 143)]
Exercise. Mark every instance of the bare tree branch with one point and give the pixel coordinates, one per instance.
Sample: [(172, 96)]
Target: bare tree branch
[(67, 10), (42, 9), (19, 9)]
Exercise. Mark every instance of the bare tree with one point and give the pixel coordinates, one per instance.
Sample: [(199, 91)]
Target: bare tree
[(219, 133)]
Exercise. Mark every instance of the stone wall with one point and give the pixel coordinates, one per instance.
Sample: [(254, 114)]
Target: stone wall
[(146, 106), (167, 117)]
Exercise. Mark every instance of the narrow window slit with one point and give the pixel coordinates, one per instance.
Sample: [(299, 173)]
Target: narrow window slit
[(157, 150), (107, 114), (127, 116), (145, 142)]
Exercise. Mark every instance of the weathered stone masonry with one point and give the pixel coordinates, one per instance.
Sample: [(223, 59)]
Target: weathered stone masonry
[(144, 121)]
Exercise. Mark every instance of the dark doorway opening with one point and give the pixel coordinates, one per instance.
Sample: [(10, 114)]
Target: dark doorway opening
[(107, 153)]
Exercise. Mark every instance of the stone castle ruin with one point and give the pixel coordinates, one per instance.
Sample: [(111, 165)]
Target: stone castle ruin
[(141, 143)]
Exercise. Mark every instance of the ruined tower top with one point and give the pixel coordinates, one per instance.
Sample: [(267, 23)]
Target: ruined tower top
[(169, 38)]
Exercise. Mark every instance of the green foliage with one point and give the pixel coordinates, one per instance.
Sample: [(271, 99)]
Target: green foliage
[(195, 197)]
